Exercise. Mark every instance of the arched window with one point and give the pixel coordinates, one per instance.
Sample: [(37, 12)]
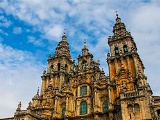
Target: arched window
[(105, 106), (63, 112), (83, 108), (66, 67), (125, 49), (51, 66), (83, 90), (116, 51)]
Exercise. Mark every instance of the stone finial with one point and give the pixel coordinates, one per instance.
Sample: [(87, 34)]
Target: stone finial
[(38, 91), (84, 43), (19, 107), (108, 55), (64, 31), (118, 20), (30, 104), (117, 14), (44, 72), (64, 35)]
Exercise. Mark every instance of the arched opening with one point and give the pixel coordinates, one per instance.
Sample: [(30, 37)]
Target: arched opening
[(116, 50), (84, 64), (134, 111), (137, 111), (158, 112), (52, 68), (130, 111), (105, 106), (66, 67), (125, 49), (83, 108), (59, 66)]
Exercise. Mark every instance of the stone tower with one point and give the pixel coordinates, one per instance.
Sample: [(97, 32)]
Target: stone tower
[(129, 92)]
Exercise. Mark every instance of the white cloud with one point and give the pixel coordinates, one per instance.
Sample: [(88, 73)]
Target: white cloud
[(19, 70), (4, 22), (33, 40), (17, 30), (55, 32), (3, 33)]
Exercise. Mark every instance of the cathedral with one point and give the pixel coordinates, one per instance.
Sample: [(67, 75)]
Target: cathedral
[(82, 91)]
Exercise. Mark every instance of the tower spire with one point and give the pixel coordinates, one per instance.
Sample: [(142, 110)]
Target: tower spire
[(84, 43), (64, 32), (64, 35), (62, 48), (38, 91), (117, 13)]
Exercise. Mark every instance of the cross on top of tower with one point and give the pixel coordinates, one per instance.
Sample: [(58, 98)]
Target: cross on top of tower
[(84, 43), (117, 14), (65, 31)]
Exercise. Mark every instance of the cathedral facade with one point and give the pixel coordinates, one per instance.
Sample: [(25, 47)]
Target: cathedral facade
[(82, 91)]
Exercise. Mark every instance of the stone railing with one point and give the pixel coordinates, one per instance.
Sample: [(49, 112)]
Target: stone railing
[(129, 95)]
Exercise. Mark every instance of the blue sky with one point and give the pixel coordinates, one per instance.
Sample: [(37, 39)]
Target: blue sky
[(31, 29)]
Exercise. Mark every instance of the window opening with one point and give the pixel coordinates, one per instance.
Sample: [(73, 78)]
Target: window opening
[(158, 112), (59, 65), (83, 90), (116, 51), (83, 108), (105, 106), (63, 112), (125, 48)]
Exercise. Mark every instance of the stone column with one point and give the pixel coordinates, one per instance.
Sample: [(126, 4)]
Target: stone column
[(43, 85), (52, 81)]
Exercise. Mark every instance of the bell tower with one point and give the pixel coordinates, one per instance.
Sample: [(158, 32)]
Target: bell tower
[(58, 67), (129, 92)]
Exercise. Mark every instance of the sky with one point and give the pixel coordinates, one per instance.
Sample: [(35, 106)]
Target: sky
[(31, 29)]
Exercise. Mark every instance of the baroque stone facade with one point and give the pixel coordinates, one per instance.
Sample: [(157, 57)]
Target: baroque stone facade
[(82, 91)]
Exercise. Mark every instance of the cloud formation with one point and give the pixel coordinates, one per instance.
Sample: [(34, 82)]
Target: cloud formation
[(18, 69), (17, 30)]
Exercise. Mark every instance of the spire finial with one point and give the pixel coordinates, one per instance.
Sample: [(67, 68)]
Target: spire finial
[(38, 91), (84, 43), (65, 31), (64, 35), (117, 14), (118, 20), (19, 106)]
